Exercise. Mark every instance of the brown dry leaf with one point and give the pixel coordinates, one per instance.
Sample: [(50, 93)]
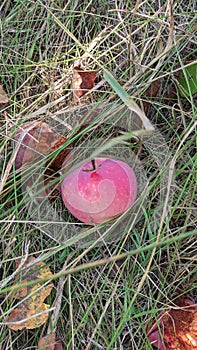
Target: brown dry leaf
[(82, 81), (171, 95), (3, 95), (34, 304), (49, 343), (176, 327), (56, 164), (58, 345), (151, 92), (38, 141)]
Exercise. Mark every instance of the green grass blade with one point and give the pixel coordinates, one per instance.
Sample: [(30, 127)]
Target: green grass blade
[(129, 102)]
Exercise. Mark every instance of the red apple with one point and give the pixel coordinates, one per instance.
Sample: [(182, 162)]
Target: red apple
[(95, 194)]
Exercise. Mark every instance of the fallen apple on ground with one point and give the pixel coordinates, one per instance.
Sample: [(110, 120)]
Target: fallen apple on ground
[(99, 190)]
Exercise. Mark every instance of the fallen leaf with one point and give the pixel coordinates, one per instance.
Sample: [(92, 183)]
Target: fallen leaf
[(176, 327), (36, 271), (22, 316), (34, 304), (58, 345), (151, 92), (21, 292), (82, 81), (49, 343), (171, 95), (37, 142), (3, 95), (56, 163)]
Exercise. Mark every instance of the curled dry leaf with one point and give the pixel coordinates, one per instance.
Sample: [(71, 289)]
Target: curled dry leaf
[(82, 81), (49, 343), (3, 95), (176, 328), (37, 142), (34, 304)]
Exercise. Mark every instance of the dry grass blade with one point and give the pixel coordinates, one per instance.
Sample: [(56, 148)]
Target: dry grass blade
[(58, 300), (5, 281)]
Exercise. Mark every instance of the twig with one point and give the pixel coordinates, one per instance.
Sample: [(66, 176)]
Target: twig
[(58, 299)]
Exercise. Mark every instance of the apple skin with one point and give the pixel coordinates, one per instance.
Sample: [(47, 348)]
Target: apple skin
[(96, 195)]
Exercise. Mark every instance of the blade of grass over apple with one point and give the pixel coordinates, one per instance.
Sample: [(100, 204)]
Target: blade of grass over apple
[(129, 102), (111, 143)]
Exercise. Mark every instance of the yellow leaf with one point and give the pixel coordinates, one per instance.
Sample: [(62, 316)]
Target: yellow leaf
[(34, 304)]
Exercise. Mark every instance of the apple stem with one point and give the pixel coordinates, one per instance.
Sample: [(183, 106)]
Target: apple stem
[(93, 164)]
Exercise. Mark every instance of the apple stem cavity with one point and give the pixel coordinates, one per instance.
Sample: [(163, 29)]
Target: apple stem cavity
[(94, 167)]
